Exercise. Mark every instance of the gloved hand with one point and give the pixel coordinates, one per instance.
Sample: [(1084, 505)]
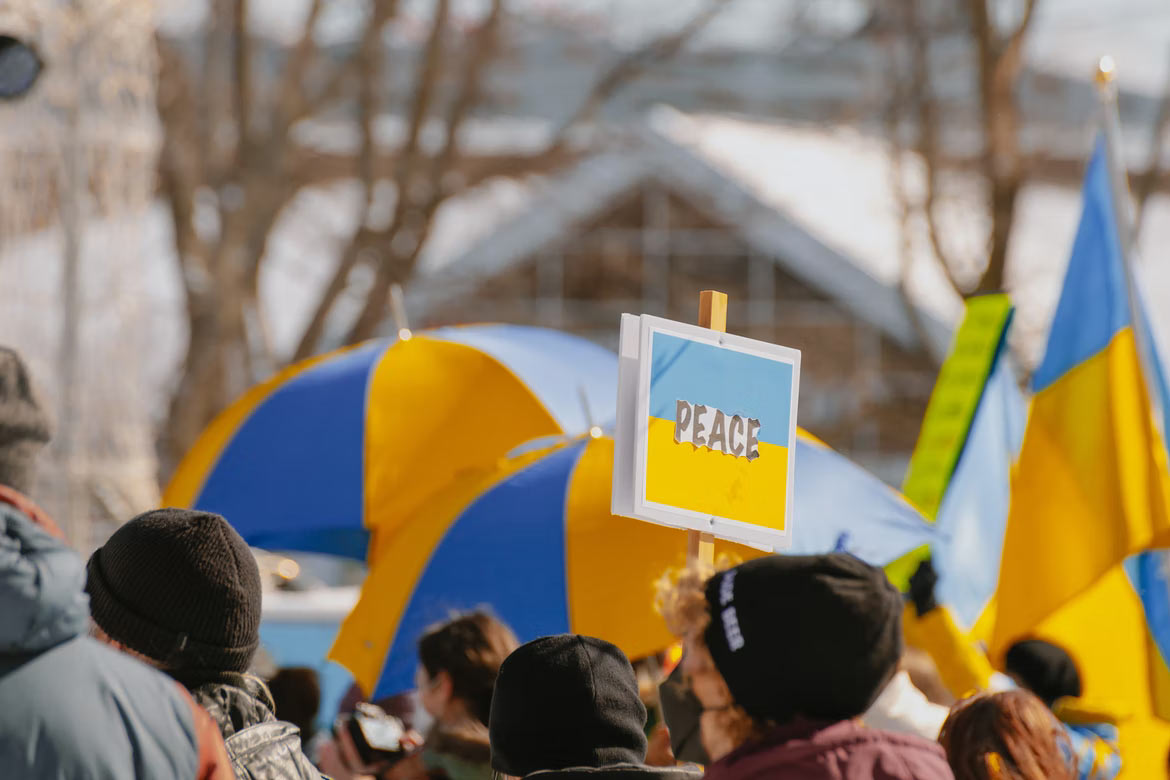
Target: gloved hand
[(922, 584)]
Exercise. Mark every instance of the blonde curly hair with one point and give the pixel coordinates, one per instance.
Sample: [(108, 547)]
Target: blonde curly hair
[(680, 597)]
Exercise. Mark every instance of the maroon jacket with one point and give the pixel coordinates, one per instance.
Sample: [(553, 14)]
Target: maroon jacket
[(845, 750)]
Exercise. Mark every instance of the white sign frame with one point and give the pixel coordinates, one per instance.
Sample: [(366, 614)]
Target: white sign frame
[(631, 434)]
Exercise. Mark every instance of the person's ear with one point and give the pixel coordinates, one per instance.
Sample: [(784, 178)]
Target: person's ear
[(442, 685)]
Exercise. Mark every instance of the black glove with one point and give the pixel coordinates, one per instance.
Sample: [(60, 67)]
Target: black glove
[(922, 584), (682, 711)]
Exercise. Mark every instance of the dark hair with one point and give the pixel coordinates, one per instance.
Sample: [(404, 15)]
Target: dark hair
[(1045, 669), (296, 693), (1009, 735), (470, 649)]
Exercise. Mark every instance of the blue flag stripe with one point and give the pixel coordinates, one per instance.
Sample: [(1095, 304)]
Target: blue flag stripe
[(1094, 304), (733, 382)]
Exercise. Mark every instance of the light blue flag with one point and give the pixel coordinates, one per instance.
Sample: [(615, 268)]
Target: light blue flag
[(973, 514), (840, 507)]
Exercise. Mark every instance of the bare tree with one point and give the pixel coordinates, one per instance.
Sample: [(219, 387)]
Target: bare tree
[(1000, 165), (228, 148), (1145, 182)]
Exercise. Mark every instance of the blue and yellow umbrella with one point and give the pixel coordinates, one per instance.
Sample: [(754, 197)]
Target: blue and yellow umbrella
[(534, 541), (336, 446)]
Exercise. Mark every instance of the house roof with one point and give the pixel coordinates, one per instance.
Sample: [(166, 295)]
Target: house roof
[(837, 184), (773, 229), (819, 202)]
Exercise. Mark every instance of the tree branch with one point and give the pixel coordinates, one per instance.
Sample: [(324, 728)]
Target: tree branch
[(390, 266), (629, 67), (927, 144), (242, 92), (399, 262), (370, 63), (397, 269), (290, 92), (470, 83), (369, 67), (1148, 180), (1013, 49), (299, 103), (179, 174), (215, 96), (893, 117), (999, 69)]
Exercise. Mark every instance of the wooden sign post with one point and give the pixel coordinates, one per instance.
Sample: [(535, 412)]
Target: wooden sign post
[(713, 315)]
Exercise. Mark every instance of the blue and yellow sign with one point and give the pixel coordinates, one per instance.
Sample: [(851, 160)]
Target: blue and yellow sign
[(712, 431)]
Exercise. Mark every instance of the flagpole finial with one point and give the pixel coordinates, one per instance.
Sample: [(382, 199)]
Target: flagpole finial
[(1106, 70)]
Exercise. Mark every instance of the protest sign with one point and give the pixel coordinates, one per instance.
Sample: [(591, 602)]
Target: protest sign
[(705, 431)]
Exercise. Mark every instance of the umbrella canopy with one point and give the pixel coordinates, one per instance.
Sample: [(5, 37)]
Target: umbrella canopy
[(533, 540), (337, 445)]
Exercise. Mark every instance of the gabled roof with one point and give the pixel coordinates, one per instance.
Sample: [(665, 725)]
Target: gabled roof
[(568, 202)]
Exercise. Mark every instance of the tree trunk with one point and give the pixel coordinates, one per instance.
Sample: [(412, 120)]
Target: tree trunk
[(198, 395), (1003, 206), (214, 373)]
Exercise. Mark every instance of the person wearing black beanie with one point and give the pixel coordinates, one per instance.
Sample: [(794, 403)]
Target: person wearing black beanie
[(1045, 669), (181, 590), (785, 653), (568, 706)]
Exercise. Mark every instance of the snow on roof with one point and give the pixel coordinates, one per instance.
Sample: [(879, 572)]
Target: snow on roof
[(837, 184), (820, 201), (734, 186), (553, 207), (834, 182), (477, 136)]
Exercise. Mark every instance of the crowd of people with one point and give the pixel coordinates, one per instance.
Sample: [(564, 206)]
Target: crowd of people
[(139, 664)]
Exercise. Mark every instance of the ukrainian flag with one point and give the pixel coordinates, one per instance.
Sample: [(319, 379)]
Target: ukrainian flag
[(1091, 489), (1091, 484), (707, 479)]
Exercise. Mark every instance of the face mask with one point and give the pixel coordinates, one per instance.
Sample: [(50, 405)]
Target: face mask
[(420, 720)]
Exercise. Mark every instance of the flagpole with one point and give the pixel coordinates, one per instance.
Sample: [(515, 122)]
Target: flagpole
[(1123, 218)]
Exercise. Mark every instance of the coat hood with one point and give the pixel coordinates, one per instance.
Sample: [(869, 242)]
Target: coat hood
[(235, 701), (42, 587)]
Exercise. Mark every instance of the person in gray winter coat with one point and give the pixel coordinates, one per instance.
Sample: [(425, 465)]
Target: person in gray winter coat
[(181, 589), (70, 707)]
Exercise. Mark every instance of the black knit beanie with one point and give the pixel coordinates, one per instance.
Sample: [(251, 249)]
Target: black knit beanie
[(816, 636), (180, 587), (1045, 669), (566, 701), (24, 428)]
